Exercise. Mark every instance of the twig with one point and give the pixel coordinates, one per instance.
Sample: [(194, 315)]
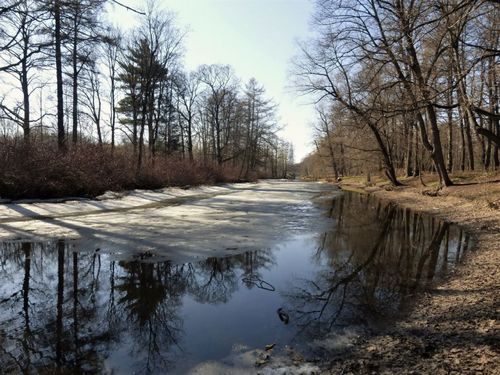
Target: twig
[(128, 8)]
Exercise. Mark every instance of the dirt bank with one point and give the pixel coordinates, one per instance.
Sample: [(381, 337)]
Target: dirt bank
[(454, 328)]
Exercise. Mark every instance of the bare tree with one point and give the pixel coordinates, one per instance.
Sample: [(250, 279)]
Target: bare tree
[(93, 101), (188, 91), (22, 60), (81, 28), (112, 47), (328, 71), (220, 93)]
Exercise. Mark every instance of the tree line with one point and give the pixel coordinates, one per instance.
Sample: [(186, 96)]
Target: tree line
[(70, 76), (403, 86)]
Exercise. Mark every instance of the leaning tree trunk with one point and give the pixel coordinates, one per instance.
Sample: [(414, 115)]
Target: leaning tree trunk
[(332, 152), (386, 158), (433, 145), (435, 148)]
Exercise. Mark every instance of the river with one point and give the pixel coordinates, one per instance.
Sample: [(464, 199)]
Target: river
[(202, 283)]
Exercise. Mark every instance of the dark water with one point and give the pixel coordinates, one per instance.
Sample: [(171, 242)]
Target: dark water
[(79, 310)]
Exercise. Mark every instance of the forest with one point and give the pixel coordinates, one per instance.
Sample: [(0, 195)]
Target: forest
[(86, 106), (403, 87)]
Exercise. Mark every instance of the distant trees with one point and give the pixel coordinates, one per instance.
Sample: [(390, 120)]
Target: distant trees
[(413, 73), (93, 101), (260, 124), (188, 91), (219, 107), (204, 112), (141, 75), (130, 90)]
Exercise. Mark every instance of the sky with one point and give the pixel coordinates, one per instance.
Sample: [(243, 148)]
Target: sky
[(257, 38)]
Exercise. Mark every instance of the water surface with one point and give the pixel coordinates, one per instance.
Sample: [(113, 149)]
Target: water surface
[(66, 308)]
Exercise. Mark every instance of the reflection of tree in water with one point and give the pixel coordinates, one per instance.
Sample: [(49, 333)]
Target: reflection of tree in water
[(65, 311), (70, 320), (217, 278), (55, 309), (253, 263), (375, 257), (150, 296), (216, 281), (22, 257)]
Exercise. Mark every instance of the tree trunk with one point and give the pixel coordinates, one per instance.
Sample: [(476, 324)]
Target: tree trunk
[(61, 137), (74, 61), (135, 121), (435, 148), (409, 149), (449, 102), (112, 109), (496, 121), (434, 144), (332, 157), (141, 143), (25, 81), (462, 143), (331, 151), (99, 132), (493, 108), (190, 137), (416, 165), (388, 165), (144, 115), (26, 98), (470, 147), (343, 167)]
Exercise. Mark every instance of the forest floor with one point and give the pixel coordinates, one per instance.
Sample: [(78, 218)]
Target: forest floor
[(452, 328)]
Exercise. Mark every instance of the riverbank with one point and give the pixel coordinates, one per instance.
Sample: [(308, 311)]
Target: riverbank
[(453, 328)]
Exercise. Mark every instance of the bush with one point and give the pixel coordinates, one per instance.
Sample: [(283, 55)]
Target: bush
[(38, 170)]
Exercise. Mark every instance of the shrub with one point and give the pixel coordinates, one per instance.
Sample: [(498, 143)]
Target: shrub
[(38, 170)]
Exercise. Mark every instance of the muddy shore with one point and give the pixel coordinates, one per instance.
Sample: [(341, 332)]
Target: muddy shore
[(453, 328)]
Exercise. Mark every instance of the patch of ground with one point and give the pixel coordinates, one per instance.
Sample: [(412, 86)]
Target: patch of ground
[(453, 328)]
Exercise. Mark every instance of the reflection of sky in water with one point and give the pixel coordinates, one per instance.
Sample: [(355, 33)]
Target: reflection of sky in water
[(88, 311)]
